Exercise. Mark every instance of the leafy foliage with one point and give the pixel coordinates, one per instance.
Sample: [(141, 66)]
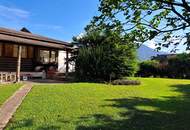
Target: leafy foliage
[(148, 68), (172, 67), (166, 21), (178, 67), (104, 55)]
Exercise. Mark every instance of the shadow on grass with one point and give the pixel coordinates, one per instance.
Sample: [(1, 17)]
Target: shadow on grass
[(168, 113), (20, 124), (51, 127)]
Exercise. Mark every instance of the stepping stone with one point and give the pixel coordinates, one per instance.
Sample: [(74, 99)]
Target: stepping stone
[(10, 106)]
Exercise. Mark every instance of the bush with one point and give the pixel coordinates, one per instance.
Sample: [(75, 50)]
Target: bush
[(107, 58), (176, 66), (148, 68), (125, 82)]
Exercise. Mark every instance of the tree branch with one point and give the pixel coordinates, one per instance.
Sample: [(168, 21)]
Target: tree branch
[(186, 6), (170, 3), (163, 31), (178, 14)]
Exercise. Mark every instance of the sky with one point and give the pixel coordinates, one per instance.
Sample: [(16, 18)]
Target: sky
[(59, 19)]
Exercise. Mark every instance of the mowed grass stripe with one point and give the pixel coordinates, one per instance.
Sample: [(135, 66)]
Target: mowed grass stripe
[(156, 104), (7, 90)]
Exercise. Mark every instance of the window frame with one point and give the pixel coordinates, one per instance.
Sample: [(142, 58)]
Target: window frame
[(50, 55)]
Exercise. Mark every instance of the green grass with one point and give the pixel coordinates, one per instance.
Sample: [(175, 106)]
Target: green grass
[(6, 91), (157, 104)]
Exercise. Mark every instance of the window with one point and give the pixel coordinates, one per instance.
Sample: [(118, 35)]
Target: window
[(24, 52), (53, 56), (15, 50), (8, 50), (30, 52), (1, 48), (44, 56)]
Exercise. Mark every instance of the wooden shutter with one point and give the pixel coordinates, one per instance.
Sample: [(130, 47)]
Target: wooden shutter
[(24, 52), (30, 52), (8, 50), (1, 46), (15, 50)]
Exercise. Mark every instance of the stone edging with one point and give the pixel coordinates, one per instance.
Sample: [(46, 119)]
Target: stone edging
[(10, 106)]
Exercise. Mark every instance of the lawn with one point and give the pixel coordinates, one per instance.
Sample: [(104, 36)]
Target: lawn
[(6, 91), (157, 104)]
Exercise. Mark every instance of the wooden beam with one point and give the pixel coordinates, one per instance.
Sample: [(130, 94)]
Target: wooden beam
[(67, 63), (1, 77), (19, 55)]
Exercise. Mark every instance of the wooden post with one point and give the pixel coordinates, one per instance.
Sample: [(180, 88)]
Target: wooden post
[(6, 77), (67, 63), (19, 55), (1, 74)]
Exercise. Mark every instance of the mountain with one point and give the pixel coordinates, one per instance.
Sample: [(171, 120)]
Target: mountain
[(145, 53)]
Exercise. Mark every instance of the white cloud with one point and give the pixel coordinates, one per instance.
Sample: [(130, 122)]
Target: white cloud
[(180, 48), (12, 13), (151, 44)]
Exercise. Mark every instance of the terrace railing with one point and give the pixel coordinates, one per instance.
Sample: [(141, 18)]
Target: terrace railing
[(7, 77)]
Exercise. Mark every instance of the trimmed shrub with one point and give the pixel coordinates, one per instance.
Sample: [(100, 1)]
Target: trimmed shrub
[(125, 82)]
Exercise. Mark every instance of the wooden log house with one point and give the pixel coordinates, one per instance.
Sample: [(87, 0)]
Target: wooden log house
[(24, 53)]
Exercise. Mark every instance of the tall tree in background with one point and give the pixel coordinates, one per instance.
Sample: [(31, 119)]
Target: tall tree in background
[(165, 21), (104, 55)]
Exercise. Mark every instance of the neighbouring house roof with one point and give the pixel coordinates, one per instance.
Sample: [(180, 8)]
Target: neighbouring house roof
[(25, 37)]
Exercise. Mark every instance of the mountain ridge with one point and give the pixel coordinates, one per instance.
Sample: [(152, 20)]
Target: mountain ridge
[(146, 53)]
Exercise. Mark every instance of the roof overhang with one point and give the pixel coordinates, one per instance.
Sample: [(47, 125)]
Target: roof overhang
[(24, 38), (23, 41)]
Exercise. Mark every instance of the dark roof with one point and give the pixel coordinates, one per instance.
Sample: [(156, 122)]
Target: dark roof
[(25, 30), (31, 39)]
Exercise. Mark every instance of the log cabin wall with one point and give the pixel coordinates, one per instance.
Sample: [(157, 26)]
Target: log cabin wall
[(9, 64), (8, 57), (32, 56)]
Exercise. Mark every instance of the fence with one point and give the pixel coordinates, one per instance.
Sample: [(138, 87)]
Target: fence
[(7, 77)]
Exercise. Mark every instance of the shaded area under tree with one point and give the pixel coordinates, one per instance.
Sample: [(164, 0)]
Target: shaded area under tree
[(172, 113)]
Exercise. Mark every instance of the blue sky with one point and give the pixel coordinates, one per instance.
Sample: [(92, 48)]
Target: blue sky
[(60, 19)]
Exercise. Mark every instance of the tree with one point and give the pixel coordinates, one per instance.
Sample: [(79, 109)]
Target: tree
[(178, 67), (104, 55), (148, 68), (165, 21)]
